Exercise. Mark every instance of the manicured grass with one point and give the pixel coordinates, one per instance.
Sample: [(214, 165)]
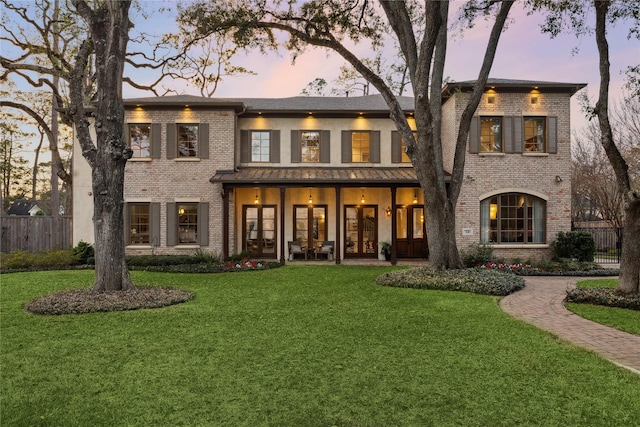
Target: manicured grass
[(619, 318), (296, 346)]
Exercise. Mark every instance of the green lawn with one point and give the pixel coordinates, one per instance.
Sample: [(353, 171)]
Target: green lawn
[(619, 318), (296, 346)]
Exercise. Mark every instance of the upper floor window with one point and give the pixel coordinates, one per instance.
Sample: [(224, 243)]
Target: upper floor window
[(513, 134), (310, 146), (144, 140), (535, 134), (360, 146), (513, 218), (491, 134), (188, 140), (399, 149), (260, 146)]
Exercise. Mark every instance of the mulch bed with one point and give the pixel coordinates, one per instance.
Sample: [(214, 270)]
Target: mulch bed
[(80, 301)]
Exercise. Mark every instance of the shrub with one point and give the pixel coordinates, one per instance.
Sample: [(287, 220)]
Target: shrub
[(240, 256), (476, 254), (161, 260), (84, 253), (53, 258), (609, 297), (577, 245), (488, 282)]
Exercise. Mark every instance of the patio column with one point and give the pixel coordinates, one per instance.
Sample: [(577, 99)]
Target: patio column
[(282, 207), (394, 221), (337, 248), (225, 223)]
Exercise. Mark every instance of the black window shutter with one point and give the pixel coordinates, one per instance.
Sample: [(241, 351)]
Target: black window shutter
[(203, 140), (396, 147), (346, 146), (518, 134), (507, 134), (325, 143), (172, 145), (552, 129), (172, 225), (374, 155), (156, 140), (245, 147), (203, 224), (274, 148), (154, 214), (296, 156), (474, 136)]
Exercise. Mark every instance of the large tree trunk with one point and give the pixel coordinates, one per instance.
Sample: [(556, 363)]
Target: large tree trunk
[(629, 266), (629, 282), (109, 27)]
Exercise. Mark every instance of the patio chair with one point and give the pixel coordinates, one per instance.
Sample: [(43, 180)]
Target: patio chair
[(295, 248), (325, 249)]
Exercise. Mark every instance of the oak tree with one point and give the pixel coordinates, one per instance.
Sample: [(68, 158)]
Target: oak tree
[(328, 24)]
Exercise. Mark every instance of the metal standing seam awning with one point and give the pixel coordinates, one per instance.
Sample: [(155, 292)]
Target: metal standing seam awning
[(335, 177), (306, 177)]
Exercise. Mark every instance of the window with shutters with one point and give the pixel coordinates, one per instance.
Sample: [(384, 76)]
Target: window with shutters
[(513, 134), (260, 146), (187, 223), (142, 223), (144, 140), (187, 141), (360, 146)]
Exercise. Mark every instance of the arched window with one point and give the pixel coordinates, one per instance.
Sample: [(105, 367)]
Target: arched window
[(513, 218)]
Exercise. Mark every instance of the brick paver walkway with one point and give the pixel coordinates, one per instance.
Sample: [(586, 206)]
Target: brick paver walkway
[(540, 303)]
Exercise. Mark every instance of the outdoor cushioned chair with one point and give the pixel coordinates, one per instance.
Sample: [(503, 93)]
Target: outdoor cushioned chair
[(325, 249), (295, 248)]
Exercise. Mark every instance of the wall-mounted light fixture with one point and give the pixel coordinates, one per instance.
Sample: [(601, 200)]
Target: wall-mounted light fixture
[(558, 179), (388, 211), (470, 178)]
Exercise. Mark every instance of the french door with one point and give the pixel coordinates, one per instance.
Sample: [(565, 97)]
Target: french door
[(259, 231), (361, 231), (310, 225), (411, 239)]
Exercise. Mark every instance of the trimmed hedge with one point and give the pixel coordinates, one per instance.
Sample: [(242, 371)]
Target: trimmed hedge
[(578, 245), (487, 282), (609, 297)]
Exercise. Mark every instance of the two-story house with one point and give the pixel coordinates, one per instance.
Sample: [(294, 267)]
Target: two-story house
[(256, 175)]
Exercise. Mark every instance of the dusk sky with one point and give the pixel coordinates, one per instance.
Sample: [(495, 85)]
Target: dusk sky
[(523, 53)]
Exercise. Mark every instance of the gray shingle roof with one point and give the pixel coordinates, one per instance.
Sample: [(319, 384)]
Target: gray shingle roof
[(370, 103), (516, 84)]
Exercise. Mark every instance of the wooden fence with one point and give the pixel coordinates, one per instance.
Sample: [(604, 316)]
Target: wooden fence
[(34, 233)]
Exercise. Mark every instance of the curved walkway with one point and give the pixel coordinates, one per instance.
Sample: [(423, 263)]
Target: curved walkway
[(541, 304)]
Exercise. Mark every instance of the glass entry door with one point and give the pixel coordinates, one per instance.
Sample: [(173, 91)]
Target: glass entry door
[(410, 232), (310, 225), (361, 231), (259, 231)]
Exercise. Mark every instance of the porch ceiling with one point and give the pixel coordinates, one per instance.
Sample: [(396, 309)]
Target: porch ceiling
[(372, 177)]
